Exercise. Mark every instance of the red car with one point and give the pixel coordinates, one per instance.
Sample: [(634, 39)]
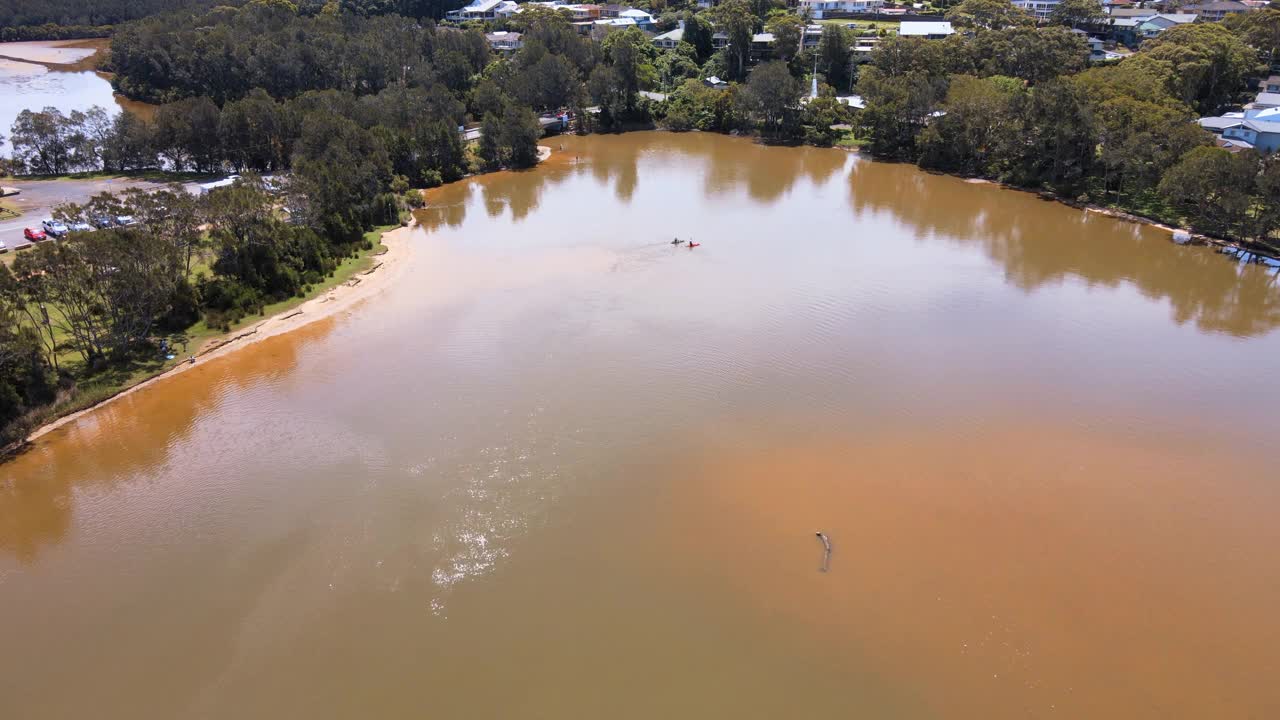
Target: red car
[(34, 234)]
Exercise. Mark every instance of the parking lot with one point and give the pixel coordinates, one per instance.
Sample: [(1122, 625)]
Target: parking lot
[(38, 198)]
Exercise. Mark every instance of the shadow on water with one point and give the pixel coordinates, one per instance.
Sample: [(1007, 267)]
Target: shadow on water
[(1041, 243)]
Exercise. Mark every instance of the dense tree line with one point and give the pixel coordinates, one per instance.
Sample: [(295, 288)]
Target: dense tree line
[(1019, 103), (50, 31), (97, 13), (14, 13)]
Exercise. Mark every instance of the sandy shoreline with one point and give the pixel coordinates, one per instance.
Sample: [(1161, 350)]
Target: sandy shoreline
[(363, 286)]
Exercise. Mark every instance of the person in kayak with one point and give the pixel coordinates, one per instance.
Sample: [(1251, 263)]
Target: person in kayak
[(676, 241), (693, 244)]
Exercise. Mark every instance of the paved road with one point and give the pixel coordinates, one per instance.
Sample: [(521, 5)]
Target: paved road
[(473, 134)]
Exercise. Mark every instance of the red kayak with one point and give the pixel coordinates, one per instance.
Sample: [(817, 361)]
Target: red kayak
[(693, 245)]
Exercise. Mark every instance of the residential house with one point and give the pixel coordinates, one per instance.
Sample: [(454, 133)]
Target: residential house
[(863, 46), (761, 46), (1263, 135), (719, 40), (810, 37), (819, 9), (1270, 85), (1157, 24), (1097, 47), (1040, 9), (642, 19), (503, 42), (668, 40), (611, 10), (715, 82), (581, 13), (1257, 128), (1217, 10), (927, 30), (1263, 101), (1130, 12), (477, 10)]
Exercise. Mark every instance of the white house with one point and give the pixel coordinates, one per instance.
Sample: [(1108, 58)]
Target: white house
[(477, 10), (503, 41), (668, 40), (928, 30), (1264, 100), (819, 9), (641, 18), (1041, 9)]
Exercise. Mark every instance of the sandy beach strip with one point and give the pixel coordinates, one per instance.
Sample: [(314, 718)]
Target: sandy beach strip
[(387, 267)]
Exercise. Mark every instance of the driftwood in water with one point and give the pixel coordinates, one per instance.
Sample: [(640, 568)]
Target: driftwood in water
[(826, 552)]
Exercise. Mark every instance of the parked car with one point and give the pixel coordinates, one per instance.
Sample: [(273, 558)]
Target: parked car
[(3, 248), (80, 226), (34, 234), (54, 228), (101, 221), (125, 220)]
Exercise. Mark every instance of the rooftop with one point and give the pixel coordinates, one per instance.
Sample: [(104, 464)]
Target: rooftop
[(1220, 123), (921, 29), (1228, 5), (673, 35), (1264, 126), (482, 5)]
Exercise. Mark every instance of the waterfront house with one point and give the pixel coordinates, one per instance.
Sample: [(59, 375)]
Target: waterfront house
[(1238, 130), (819, 9), (927, 30), (670, 39)]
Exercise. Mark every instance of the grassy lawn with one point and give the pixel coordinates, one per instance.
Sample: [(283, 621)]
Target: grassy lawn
[(200, 334), (891, 25), (92, 389), (851, 141)]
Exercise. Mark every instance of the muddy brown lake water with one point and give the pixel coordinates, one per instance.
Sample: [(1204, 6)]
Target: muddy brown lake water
[(563, 469)]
